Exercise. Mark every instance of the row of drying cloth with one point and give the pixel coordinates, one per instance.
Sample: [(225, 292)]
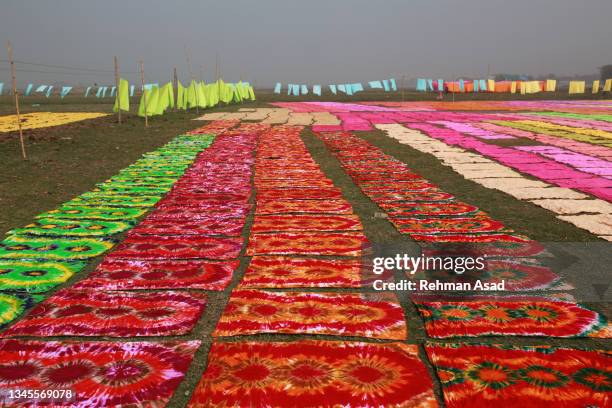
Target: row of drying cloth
[(156, 100), (350, 89), (98, 92), (523, 87)]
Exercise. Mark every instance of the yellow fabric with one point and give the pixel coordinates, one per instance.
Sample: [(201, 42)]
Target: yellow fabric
[(122, 100), (513, 87), (608, 85), (551, 85), (491, 85), (577, 87), (523, 86), (595, 87), (40, 120)]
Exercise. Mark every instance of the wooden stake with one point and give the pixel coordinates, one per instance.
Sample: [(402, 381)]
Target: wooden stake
[(118, 96), (144, 94), (16, 94), (188, 54), (175, 91)]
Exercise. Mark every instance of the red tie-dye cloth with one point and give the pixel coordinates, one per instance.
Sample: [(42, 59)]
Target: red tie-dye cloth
[(172, 274), (101, 374), (536, 316), (314, 374), (308, 243), (72, 312), (300, 223), (377, 316), (286, 272), (147, 247), (478, 375)]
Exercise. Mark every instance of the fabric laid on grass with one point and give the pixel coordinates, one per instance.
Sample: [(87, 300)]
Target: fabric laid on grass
[(320, 243), (14, 304), (172, 274), (476, 238), (423, 209), (201, 227), (314, 373), (191, 211), (287, 272), (72, 228), (377, 316), (16, 247), (102, 374), (36, 276), (106, 200), (303, 206), (88, 213), (147, 247), (297, 223), (478, 375), (299, 194), (73, 312), (518, 275), (447, 225), (534, 316)]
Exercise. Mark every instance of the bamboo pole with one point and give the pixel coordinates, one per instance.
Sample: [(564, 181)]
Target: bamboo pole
[(188, 54), (144, 94), (175, 90), (118, 96), (16, 94)]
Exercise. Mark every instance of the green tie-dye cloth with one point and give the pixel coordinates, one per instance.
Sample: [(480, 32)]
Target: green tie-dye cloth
[(17, 247), (109, 200), (68, 212), (12, 305), (36, 276), (73, 228)]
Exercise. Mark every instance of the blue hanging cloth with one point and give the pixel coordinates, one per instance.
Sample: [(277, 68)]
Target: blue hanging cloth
[(333, 90), (421, 85), (375, 84), (277, 88)]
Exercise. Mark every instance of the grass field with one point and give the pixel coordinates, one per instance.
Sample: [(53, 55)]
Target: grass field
[(69, 160)]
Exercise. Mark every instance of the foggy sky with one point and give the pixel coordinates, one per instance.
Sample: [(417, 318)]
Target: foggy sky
[(307, 41)]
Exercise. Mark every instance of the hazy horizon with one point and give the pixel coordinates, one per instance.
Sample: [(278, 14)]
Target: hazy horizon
[(305, 41)]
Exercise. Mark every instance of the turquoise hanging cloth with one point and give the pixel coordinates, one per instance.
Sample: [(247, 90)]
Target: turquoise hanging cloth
[(28, 90), (356, 87), (461, 86), (430, 84), (296, 90), (333, 90), (277, 88), (1, 87), (316, 89), (49, 91), (41, 88), (132, 90), (87, 91), (65, 91), (113, 90), (99, 92), (348, 89), (289, 89), (476, 83), (483, 85), (421, 85), (393, 84), (304, 89), (342, 88), (104, 89), (440, 85), (386, 85), (375, 84)]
